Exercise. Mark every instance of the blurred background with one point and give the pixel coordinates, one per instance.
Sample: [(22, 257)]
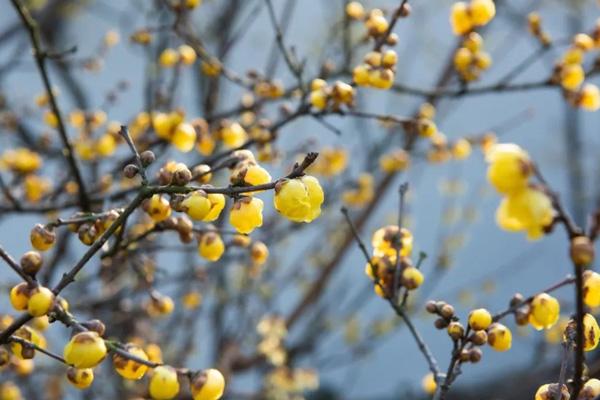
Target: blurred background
[(351, 337)]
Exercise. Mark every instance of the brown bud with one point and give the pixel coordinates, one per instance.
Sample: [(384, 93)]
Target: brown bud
[(95, 325), (440, 323), (130, 171), (182, 176), (475, 355), (516, 299), (176, 203), (184, 224), (404, 10), (164, 177), (169, 223), (202, 173), (456, 330), (27, 352), (464, 355), (431, 307), (31, 262), (186, 237), (147, 157), (478, 337), (522, 317), (4, 357), (447, 311), (392, 39), (582, 251)]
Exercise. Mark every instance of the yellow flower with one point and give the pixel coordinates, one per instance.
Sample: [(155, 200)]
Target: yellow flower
[(572, 76), (386, 240), (428, 384), (85, 350), (217, 203), (80, 378), (42, 239), (591, 288), (106, 145), (591, 332), (192, 300), (208, 385), (168, 58), (316, 196), (355, 10), (158, 208), (318, 99), (246, 214), (41, 300), (360, 76), (461, 149), (460, 19), (130, 369), (480, 319), (187, 54), (164, 384), (233, 135), (19, 296), (412, 278), (10, 391), (509, 169), (291, 199), (397, 160), (545, 311), (259, 253), (184, 137), (197, 205), (482, 11), (211, 246), (589, 97), (255, 175), (529, 210), (160, 305), (499, 337), (590, 390), (547, 392), (21, 160)]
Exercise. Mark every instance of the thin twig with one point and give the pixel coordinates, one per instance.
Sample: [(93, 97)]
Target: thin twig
[(40, 58)]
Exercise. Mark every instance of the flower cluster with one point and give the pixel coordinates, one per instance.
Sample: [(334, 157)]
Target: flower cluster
[(466, 16), (525, 207), (470, 59)]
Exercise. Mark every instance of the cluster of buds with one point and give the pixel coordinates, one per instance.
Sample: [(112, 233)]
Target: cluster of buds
[(569, 73), (464, 17), (481, 330), (173, 128), (271, 89), (89, 232), (183, 55), (534, 24), (377, 71), (246, 171), (384, 268), (324, 96), (542, 312), (375, 21), (174, 173), (525, 206), (361, 193), (272, 331), (130, 171), (394, 161), (231, 133), (470, 59)]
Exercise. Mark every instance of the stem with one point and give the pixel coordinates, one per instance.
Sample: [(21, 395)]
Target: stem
[(40, 58)]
